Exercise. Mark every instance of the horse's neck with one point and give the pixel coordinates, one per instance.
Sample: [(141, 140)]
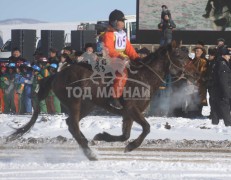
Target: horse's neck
[(156, 75), (159, 66)]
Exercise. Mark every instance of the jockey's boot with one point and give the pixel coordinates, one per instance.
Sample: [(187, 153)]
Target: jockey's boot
[(115, 103)]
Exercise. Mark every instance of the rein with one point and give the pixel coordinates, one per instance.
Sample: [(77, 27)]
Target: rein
[(171, 63)]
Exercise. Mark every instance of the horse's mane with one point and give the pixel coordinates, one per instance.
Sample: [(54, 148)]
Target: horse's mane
[(155, 55)]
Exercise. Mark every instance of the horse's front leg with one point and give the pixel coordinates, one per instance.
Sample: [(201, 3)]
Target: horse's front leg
[(126, 130), (73, 127), (138, 118)]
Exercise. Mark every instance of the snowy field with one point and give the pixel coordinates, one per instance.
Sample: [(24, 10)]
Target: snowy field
[(190, 149)]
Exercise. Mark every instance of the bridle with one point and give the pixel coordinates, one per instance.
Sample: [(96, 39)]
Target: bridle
[(182, 76)]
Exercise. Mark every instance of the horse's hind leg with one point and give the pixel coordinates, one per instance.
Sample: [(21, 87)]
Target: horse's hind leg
[(139, 118), (126, 130), (73, 127)]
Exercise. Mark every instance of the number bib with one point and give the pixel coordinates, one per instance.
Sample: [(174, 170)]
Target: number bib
[(120, 40)]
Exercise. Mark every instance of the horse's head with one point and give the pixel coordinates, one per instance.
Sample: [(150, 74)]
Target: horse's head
[(180, 64)]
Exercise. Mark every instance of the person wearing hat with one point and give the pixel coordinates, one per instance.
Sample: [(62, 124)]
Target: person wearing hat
[(9, 91), (68, 50), (43, 64), (26, 96), (223, 89), (220, 46), (199, 97), (37, 76), (119, 48), (52, 102)]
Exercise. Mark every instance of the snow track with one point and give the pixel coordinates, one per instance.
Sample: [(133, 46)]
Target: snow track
[(67, 162), (191, 149)]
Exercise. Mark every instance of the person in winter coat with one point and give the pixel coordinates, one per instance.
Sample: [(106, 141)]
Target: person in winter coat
[(68, 50), (16, 57), (9, 91), (199, 93), (65, 61), (18, 90), (220, 46), (3, 86), (119, 49), (43, 65), (53, 58), (53, 103), (37, 76), (166, 27), (164, 12), (223, 89), (28, 78), (210, 79)]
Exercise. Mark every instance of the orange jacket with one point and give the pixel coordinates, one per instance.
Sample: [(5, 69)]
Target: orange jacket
[(109, 43)]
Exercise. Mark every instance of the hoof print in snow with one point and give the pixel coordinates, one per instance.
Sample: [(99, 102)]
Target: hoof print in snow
[(167, 126), (204, 127)]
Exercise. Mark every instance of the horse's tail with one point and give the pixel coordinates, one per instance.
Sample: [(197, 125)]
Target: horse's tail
[(44, 87)]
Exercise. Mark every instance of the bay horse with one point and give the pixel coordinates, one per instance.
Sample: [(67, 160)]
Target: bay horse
[(151, 72)]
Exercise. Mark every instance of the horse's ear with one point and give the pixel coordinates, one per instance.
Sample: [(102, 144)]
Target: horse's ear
[(174, 44), (181, 42)]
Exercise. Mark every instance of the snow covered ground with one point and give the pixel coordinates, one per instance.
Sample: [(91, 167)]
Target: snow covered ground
[(190, 149), (181, 128)]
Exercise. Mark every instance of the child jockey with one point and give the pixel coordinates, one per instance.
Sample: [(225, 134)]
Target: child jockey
[(118, 46)]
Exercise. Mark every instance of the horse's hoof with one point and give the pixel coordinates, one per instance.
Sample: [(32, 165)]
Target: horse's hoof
[(98, 137), (94, 158), (90, 155), (131, 146), (128, 148)]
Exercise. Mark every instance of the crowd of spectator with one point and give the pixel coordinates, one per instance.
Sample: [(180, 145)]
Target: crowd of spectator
[(186, 99), (19, 83), (19, 79)]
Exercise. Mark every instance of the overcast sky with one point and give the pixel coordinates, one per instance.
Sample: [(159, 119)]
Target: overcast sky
[(65, 10)]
